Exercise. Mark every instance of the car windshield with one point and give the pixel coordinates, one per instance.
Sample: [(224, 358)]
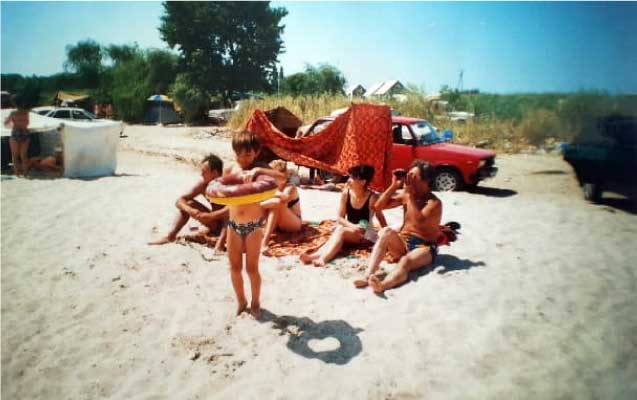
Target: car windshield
[(425, 133)]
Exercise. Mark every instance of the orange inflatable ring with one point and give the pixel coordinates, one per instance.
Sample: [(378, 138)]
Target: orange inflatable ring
[(232, 190)]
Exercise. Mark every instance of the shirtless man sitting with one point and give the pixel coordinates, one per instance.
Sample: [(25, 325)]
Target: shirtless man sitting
[(213, 220), (414, 246)]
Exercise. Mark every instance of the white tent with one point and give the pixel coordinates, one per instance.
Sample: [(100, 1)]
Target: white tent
[(89, 148)]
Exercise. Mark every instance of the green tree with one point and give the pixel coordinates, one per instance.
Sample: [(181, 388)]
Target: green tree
[(85, 59), (225, 47), (122, 53), (189, 98), (163, 67), (324, 79)]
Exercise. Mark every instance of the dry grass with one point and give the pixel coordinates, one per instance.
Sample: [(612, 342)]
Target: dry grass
[(536, 129)]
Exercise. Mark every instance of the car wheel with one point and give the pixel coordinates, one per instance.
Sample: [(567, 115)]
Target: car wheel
[(447, 180), (592, 192)]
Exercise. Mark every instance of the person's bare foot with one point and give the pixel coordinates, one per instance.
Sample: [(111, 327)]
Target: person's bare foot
[(319, 262), (161, 241), (307, 258), (361, 283), (255, 311), (376, 284), (242, 307)]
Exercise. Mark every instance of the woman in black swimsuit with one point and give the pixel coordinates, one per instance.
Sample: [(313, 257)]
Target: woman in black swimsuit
[(283, 211), (354, 217)]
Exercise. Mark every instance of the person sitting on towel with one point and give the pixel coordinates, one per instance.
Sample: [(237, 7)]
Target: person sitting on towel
[(355, 214), (284, 210)]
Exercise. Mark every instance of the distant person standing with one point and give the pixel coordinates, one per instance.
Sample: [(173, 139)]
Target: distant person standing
[(20, 138)]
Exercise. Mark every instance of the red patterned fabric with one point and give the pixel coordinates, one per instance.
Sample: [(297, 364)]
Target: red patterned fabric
[(362, 135)]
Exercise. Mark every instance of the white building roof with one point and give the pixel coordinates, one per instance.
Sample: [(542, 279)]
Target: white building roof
[(382, 88)]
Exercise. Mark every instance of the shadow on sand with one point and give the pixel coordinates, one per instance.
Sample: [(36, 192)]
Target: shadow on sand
[(492, 192), (301, 331), (448, 263), (626, 204), (549, 172)]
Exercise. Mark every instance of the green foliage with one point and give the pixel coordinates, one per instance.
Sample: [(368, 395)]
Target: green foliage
[(136, 77), (121, 53), (225, 47), (163, 67), (85, 59), (25, 91), (10, 82), (324, 79), (189, 98), (545, 118), (129, 89)]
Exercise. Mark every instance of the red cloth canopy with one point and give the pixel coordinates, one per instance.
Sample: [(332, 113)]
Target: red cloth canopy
[(362, 135)]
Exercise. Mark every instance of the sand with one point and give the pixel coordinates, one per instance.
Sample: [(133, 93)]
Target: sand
[(537, 299)]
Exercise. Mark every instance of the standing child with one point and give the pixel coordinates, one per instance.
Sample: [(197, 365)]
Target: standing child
[(245, 232), (19, 141)]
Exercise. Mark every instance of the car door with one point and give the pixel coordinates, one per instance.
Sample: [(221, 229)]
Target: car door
[(403, 147)]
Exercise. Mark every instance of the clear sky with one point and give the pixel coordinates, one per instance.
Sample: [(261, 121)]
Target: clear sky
[(502, 47)]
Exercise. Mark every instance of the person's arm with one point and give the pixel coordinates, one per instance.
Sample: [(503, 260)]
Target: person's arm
[(287, 194), (430, 208), (254, 172), (391, 197), (379, 213), (208, 217), (182, 201), (8, 120)]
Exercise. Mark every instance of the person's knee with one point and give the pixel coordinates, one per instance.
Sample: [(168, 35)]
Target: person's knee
[(252, 270), (340, 230), (236, 266), (384, 233)]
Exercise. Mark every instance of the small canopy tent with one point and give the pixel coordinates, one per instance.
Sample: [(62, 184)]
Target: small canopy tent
[(89, 149), (160, 110), (68, 99)]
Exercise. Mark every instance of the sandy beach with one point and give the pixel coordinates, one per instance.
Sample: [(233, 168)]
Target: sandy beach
[(537, 298)]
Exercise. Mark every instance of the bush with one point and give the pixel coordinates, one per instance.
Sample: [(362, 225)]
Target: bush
[(191, 100), (539, 125), (130, 90)]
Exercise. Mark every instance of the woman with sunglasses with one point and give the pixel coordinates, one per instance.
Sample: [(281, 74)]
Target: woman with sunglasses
[(354, 217)]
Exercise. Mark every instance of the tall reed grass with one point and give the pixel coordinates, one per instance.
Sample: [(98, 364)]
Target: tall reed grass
[(544, 120)]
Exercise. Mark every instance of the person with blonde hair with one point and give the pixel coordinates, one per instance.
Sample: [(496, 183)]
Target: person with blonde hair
[(284, 210)]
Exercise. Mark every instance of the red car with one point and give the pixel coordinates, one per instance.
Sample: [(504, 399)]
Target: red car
[(457, 166)]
